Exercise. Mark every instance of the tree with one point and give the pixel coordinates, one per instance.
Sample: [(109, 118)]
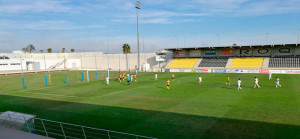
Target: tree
[(29, 48), (49, 50), (126, 50), (42, 51), (63, 50), (72, 50)]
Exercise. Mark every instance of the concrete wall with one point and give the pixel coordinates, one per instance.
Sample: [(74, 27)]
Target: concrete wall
[(82, 60)]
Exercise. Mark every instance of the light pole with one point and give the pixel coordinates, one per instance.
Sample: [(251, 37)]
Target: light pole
[(138, 6), (177, 41), (267, 37), (107, 45), (218, 39), (299, 36)]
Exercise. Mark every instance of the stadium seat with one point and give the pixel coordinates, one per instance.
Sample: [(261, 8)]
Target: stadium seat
[(213, 62), (248, 62), (183, 63), (284, 62)]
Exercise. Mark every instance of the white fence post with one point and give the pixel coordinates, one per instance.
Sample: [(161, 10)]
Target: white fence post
[(62, 129), (44, 128), (83, 132), (108, 134)]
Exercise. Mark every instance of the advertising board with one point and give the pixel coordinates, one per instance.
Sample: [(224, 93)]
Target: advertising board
[(254, 71), (275, 71), (219, 70), (174, 70), (210, 52), (263, 71), (292, 71), (195, 53), (186, 70), (180, 53), (205, 70), (192, 70), (226, 51), (199, 70)]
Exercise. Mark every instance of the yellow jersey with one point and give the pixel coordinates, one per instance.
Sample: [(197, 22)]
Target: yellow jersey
[(173, 76), (228, 79), (168, 83), (134, 76)]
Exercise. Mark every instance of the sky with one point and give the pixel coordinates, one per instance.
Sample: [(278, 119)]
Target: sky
[(104, 25)]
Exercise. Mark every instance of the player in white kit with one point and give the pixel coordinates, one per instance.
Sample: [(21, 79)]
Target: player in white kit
[(131, 77), (277, 82), (239, 84), (200, 79), (270, 75), (256, 82), (107, 80), (155, 76)]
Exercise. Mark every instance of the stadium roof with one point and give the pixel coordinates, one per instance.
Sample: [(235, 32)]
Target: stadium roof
[(235, 46)]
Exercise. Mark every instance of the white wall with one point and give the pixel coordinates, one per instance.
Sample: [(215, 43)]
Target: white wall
[(89, 60)]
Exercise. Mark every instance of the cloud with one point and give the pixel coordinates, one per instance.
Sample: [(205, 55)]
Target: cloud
[(246, 7), (46, 25), (33, 6), (156, 21)]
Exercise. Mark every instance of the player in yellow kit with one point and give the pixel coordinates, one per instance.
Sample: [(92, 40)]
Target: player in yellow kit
[(173, 77), (134, 77), (120, 77), (168, 84), (228, 80), (124, 75)]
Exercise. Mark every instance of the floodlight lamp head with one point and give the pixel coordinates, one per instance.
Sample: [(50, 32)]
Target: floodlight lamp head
[(138, 5)]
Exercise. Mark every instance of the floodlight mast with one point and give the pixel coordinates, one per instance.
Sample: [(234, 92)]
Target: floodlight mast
[(138, 6), (267, 38), (299, 36)]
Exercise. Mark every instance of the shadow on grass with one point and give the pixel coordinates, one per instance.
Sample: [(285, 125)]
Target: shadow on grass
[(147, 122)]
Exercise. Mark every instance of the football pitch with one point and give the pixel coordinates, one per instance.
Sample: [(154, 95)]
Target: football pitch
[(188, 110)]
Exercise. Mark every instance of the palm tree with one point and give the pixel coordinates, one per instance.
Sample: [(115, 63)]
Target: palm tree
[(126, 50), (63, 50), (72, 50), (49, 50)]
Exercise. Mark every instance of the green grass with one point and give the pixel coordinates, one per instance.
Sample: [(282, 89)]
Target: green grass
[(187, 110)]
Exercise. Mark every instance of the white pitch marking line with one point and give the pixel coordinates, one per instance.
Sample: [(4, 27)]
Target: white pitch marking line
[(54, 95)]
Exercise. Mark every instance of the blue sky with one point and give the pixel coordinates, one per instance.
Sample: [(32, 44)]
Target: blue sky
[(87, 25)]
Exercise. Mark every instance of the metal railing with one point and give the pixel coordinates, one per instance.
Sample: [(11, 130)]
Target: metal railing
[(60, 130)]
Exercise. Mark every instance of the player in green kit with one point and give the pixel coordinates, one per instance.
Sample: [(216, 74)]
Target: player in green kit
[(128, 80)]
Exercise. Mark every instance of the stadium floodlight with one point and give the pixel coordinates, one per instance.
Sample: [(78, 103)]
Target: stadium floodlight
[(138, 6), (299, 36), (218, 39), (267, 37)]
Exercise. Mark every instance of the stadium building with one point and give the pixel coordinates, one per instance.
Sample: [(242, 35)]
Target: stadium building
[(281, 58)]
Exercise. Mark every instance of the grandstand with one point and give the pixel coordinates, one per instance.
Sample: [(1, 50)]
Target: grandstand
[(247, 62), (282, 62), (282, 56), (213, 62), (183, 63)]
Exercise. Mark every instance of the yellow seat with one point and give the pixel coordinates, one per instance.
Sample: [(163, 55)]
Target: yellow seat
[(247, 62), (183, 63)]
